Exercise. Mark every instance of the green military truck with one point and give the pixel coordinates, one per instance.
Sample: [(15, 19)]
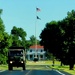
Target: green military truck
[(16, 57)]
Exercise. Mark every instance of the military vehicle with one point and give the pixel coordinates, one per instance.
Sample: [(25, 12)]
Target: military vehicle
[(16, 57)]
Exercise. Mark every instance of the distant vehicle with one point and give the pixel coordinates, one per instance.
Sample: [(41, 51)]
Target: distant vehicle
[(35, 59), (16, 57)]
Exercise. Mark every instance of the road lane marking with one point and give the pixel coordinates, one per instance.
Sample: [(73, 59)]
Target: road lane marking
[(59, 72), (28, 72)]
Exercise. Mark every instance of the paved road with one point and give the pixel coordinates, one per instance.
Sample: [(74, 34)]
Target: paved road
[(33, 70)]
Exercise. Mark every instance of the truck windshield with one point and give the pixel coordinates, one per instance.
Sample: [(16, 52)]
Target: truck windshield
[(16, 53)]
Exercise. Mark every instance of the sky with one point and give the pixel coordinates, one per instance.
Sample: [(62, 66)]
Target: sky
[(22, 14)]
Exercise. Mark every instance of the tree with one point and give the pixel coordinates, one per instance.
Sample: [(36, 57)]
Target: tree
[(33, 40), (18, 36), (5, 41), (51, 38), (68, 27), (59, 39), (28, 44), (2, 28), (0, 12)]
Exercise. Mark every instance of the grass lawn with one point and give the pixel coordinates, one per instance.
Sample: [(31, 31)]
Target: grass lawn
[(65, 68), (42, 63), (3, 67)]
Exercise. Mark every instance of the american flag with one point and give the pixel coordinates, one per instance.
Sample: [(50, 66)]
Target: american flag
[(38, 9)]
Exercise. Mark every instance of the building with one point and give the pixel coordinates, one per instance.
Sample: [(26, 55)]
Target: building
[(33, 52)]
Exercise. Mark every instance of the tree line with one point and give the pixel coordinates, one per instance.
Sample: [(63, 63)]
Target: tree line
[(58, 38)]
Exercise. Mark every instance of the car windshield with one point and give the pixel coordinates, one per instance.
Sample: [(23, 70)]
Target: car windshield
[(16, 53)]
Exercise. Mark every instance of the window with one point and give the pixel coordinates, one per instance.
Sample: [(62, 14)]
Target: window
[(31, 56), (41, 50), (41, 56), (30, 50), (16, 53)]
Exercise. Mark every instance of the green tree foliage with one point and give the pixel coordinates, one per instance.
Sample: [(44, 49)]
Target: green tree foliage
[(31, 41), (28, 44), (59, 39), (69, 28), (18, 36), (51, 38), (2, 28), (0, 12)]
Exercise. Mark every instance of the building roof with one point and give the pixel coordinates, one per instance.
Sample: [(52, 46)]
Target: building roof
[(38, 46)]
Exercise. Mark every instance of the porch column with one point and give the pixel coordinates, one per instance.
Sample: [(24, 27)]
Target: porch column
[(43, 56), (39, 56), (28, 56), (33, 56)]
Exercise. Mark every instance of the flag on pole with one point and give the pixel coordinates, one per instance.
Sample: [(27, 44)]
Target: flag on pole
[(38, 18), (38, 9)]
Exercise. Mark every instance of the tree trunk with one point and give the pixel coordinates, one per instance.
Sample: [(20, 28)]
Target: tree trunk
[(53, 61), (71, 63), (61, 63), (71, 66)]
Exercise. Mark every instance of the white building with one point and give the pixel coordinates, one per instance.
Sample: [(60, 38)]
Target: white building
[(33, 52)]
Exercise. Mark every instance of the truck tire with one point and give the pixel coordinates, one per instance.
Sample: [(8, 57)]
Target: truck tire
[(23, 67), (10, 67)]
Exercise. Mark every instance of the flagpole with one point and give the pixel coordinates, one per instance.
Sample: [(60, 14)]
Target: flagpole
[(37, 10), (36, 35)]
